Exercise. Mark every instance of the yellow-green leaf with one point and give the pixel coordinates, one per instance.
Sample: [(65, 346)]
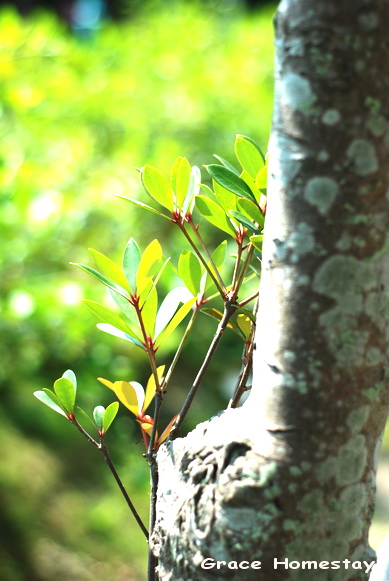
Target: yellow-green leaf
[(249, 155), (214, 214), (180, 179), (149, 311), (107, 316), (190, 271), (176, 320), (109, 268), (66, 393), (149, 265), (158, 186), (151, 387)]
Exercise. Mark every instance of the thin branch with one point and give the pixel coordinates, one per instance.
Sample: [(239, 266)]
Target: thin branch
[(205, 248), (104, 450), (248, 300), (168, 375), (241, 386), (111, 466), (229, 309), (220, 287)]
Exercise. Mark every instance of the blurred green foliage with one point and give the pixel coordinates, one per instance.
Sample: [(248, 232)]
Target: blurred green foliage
[(76, 117)]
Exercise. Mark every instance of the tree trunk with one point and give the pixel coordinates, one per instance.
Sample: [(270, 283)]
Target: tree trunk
[(290, 475)]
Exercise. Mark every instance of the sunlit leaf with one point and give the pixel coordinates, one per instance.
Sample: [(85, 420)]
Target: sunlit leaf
[(131, 262), (148, 428), (98, 415), (107, 316), (176, 320), (230, 181), (214, 214), (249, 155), (190, 271), (49, 398), (246, 222), (166, 431), (107, 383), (219, 254), (131, 395), (246, 177), (149, 264), (149, 312), (71, 376), (169, 306), (157, 186), (193, 190), (109, 268), (261, 179), (180, 179), (251, 210), (226, 199), (227, 164), (256, 241), (151, 387), (144, 206), (109, 415), (107, 328), (244, 323), (66, 393), (101, 278)]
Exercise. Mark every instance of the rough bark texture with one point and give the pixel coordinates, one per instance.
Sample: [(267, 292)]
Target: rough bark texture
[(291, 474)]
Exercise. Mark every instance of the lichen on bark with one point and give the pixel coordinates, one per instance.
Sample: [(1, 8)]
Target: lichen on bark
[(291, 473)]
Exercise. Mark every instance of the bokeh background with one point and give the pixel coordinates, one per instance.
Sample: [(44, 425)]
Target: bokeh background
[(90, 90)]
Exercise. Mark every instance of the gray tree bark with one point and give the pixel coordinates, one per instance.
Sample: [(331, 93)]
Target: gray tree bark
[(291, 474)]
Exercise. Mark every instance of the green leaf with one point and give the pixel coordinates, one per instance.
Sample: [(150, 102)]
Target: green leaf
[(251, 210), (190, 271), (149, 311), (227, 164), (107, 316), (230, 181), (176, 320), (219, 254), (249, 155), (144, 206), (247, 313), (214, 214), (109, 268), (245, 325), (49, 398), (131, 261), (180, 178), (109, 415), (72, 376), (193, 190), (101, 278), (246, 177), (98, 415), (148, 266), (169, 306), (226, 199), (245, 221), (261, 179), (256, 241), (66, 393), (157, 186), (117, 333)]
